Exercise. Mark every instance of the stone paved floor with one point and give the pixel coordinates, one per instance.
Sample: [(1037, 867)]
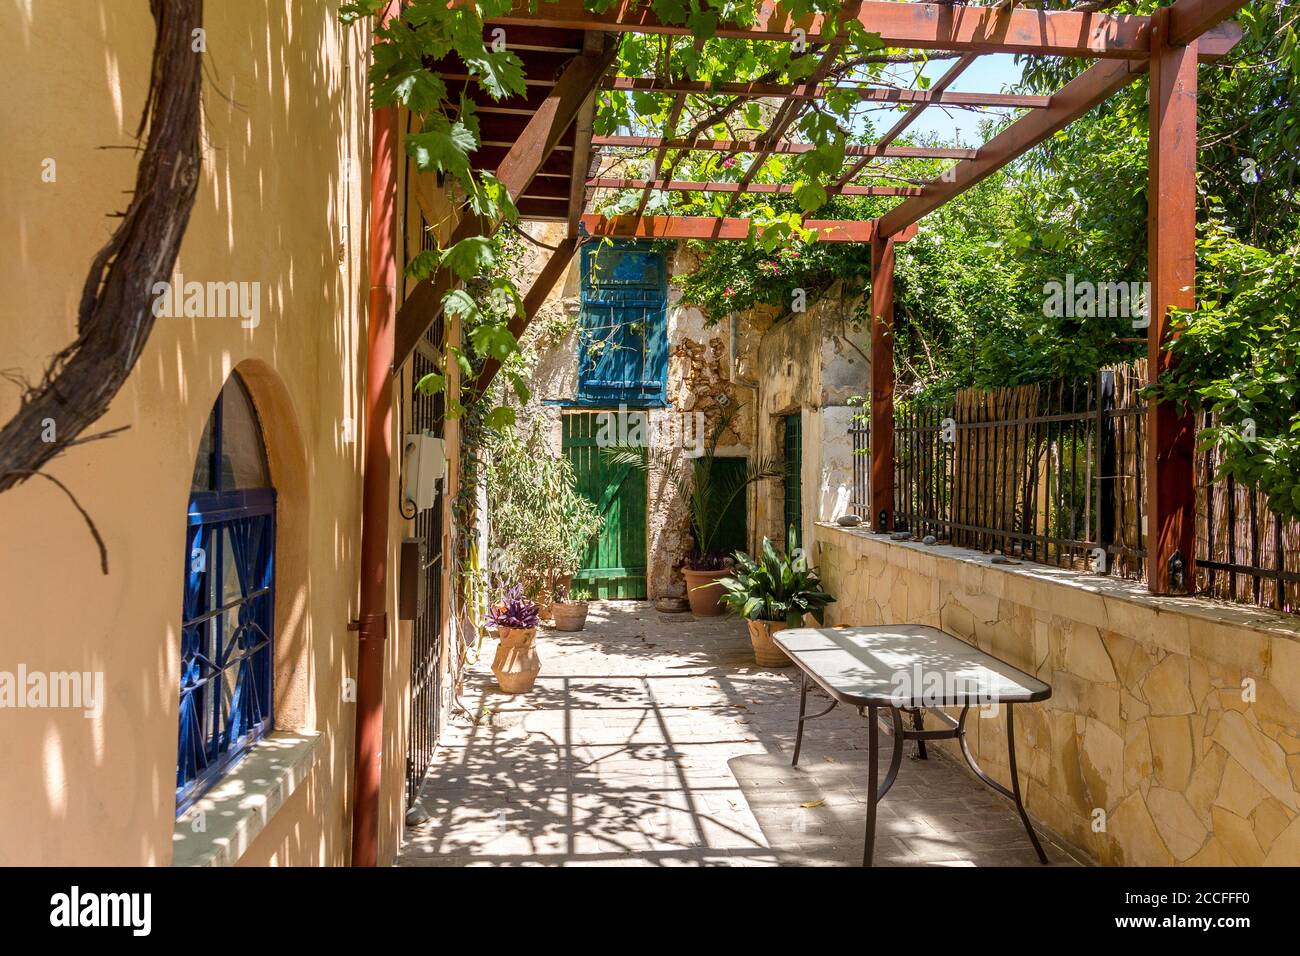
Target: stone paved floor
[(654, 739)]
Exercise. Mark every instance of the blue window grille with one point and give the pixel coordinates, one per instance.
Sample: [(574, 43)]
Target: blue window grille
[(228, 613), (623, 329)]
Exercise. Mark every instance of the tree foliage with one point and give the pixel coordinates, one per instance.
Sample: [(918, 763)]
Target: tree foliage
[(1239, 354)]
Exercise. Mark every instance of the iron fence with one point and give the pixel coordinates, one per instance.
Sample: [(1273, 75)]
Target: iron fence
[(1054, 473), (1244, 551)]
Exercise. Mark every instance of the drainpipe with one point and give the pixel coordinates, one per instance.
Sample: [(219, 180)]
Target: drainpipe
[(372, 624)]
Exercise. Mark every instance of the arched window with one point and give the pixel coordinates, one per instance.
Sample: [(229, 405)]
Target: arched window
[(227, 616)]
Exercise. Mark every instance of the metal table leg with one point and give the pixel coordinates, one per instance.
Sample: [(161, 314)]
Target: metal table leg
[(918, 723), (873, 767), (803, 703), (1015, 786), (1014, 792)]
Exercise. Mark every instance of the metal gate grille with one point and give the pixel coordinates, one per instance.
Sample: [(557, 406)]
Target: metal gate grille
[(427, 414)]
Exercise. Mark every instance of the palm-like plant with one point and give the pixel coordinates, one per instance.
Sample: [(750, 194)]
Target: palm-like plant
[(776, 588), (707, 497)]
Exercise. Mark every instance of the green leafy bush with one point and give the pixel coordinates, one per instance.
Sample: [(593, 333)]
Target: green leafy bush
[(1239, 355), (540, 525)]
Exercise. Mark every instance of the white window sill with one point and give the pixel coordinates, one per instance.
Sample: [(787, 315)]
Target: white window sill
[(223, 823)]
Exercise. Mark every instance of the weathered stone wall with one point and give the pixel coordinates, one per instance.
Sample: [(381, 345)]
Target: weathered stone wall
[(1173, 733), (705, 379), (813, 363)]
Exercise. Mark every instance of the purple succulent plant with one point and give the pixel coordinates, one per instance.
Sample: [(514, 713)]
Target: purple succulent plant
[(514, 611)]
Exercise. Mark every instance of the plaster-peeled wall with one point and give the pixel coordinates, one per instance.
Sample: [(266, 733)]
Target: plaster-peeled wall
[(813, 363), (1173, 733), (281, 202)]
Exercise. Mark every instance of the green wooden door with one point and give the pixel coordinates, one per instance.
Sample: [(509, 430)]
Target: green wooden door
[(793, 479), (733, 528), (615, 565)]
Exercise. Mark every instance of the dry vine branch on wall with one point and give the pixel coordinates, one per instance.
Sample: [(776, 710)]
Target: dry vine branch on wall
[(115, 315)]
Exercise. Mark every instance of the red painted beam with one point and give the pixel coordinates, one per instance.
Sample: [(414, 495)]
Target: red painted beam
[(920, 26), (372, 613), (542, 209), (684, 186), (926, 26), (1189, 19), (1171, 244), (717, 227), (753, 146), (938, 97), (882, 383)]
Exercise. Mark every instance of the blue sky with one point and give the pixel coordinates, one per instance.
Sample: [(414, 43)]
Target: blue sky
[(989, 74)]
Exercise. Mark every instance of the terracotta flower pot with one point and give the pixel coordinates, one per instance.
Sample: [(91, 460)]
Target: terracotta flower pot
[(545, 606), (516, 663), (703, 592), (766, 653), (570, 616)]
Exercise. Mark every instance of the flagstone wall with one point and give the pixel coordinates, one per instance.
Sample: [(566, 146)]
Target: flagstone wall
[(1172, 736)]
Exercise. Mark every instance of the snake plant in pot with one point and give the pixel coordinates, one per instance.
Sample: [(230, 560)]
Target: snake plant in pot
[(773, 593)]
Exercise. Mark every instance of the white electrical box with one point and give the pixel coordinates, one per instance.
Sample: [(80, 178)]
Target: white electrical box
[(424, 462)]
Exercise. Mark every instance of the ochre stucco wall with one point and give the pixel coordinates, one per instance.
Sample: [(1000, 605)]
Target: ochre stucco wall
[(1173, 733), (281, 202)]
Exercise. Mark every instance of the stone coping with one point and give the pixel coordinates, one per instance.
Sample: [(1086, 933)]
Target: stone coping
[(1261, 620), (224, 822)]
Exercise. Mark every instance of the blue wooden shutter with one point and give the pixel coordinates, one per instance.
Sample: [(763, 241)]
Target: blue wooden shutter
[(623, 349)]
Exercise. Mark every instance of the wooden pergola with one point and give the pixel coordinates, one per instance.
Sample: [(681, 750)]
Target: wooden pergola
[(541, 148)]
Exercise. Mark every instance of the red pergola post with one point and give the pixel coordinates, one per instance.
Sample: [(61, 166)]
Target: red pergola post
[(1171, 245), (882, 382)]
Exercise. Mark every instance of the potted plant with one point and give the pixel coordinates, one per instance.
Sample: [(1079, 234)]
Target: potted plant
[(516, 664), (570, 609), (773, 594), (540, 525), (708, 496)]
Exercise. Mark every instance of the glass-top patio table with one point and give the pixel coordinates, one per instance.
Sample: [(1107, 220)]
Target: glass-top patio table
[(909, 668)]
